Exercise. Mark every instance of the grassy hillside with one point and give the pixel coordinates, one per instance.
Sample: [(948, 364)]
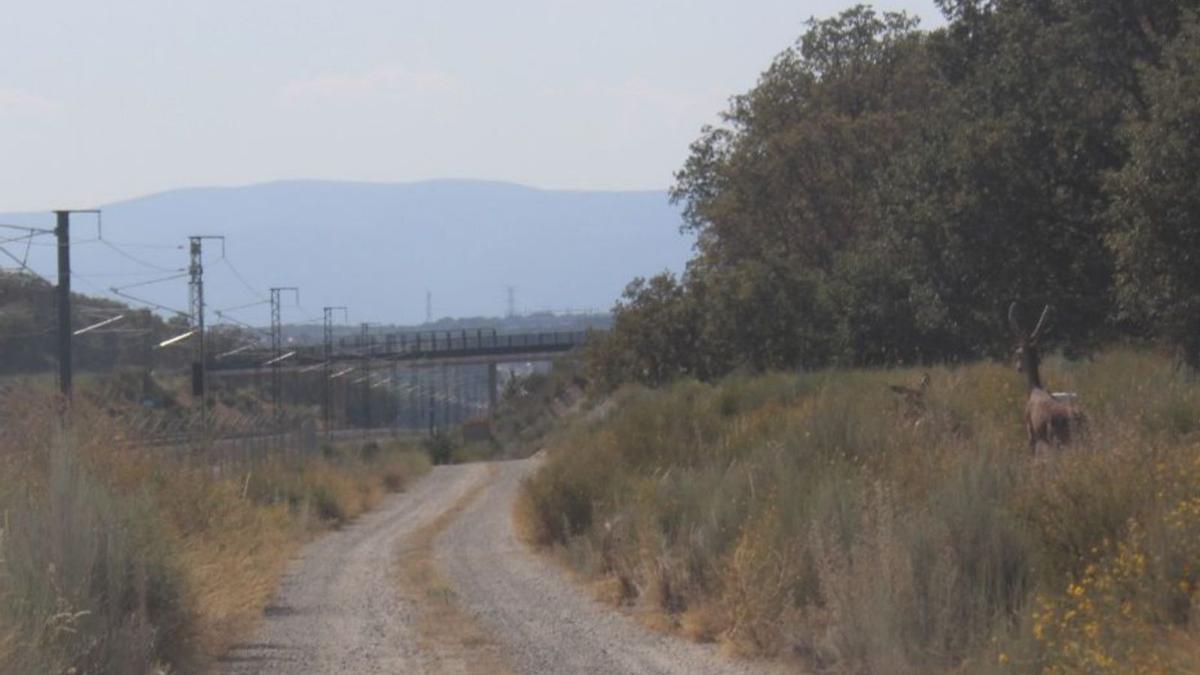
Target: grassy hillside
[(126, 561), (821, 517)]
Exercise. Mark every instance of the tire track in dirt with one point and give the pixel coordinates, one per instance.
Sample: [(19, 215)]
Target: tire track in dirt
[(450, 640), (545, 622), (338, 609)]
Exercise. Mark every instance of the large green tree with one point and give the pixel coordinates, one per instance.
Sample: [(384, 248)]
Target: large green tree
[(1156, 209), (778, 192), (882, 194)]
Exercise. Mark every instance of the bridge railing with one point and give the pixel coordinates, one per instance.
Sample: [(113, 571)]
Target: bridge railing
[(401, 347), (461, 341)]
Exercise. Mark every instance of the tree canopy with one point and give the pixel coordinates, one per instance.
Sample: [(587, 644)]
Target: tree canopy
[(883, 193)]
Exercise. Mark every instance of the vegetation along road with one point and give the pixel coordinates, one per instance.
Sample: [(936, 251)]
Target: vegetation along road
[(486, 603)]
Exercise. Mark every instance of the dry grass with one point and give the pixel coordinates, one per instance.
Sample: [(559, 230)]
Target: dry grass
[(134, 561), (528, 521), (818, 515), (446, 631)]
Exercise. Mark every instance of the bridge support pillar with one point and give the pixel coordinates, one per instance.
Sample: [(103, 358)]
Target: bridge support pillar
[(492, 393)]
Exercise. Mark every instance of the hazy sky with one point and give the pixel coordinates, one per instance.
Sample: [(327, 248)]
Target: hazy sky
[(115, 99)]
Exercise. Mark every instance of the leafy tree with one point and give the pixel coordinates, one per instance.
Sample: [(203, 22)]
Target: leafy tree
[(788, 173), (654, 338), (882, 194), (1156, 209)]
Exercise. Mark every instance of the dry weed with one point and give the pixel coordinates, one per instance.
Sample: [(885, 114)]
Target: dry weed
[(810, 514), (447, 633)]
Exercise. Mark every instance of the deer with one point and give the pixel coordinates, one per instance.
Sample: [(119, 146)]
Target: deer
[(912, 398), (1049, 418)]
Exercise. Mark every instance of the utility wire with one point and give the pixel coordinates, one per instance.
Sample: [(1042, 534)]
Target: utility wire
[(117, 289), (21, 264), (256, 329), (86, 282), (238, 275), (74, 242), (95, 310), (130, 256), (23, 237), (148, 303), (28, 239), (27, 228), (114, 275), (248, 305), (160, 247)]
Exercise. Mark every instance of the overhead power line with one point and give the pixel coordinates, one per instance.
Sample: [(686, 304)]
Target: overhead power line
[(28, 228), (131, 257), (241, 279), (248, 305), (148, 303), (116, 275), (23, 265), (161, 247), (221, 315), (148, 283)]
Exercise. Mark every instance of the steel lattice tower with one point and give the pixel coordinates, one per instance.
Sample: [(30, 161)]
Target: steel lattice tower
[(328, 355), (277, 344), (196, 318)]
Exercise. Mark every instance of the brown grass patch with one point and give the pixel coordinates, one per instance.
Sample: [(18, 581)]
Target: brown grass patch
[(446, 631), (704, 623), (611, 591), (527, 521), (118, 559), (812, 515)]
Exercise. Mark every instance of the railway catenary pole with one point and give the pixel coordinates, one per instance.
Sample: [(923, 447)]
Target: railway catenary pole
[(328, 354), (393, 411), (277, 346), (366, 330), (432, 411), (196, 315), (62, 234), (414, 397), (492, 384), (445, 396)]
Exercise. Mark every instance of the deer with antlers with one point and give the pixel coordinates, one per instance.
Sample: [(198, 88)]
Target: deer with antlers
[(1049, 418)]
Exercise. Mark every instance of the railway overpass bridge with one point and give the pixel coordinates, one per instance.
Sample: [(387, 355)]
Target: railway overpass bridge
[(368, 352)]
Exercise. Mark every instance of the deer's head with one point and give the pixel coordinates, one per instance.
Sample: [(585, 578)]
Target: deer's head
[(1027, 356)]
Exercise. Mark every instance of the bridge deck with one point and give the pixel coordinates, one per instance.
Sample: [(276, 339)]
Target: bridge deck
[(441, 347)]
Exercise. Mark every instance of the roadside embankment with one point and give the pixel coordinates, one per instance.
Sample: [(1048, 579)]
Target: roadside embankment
[(832, 517)]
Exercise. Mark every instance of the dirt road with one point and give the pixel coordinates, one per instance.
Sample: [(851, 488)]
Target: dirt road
[(338, 610), (545, 622), (341, 611)]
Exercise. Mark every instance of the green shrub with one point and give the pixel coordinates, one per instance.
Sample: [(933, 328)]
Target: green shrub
[(440, 447)]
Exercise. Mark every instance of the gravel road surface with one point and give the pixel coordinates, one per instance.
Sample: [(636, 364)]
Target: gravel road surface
[(338, 610), (545, 622)]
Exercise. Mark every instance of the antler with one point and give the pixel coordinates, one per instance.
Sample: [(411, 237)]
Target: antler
[(1013, 323), (1037, 330)]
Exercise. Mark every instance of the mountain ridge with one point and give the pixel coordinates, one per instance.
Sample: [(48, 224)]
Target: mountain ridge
[(378, 246)]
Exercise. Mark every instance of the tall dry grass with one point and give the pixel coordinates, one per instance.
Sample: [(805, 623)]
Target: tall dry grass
[(820, 516), (135, 561)]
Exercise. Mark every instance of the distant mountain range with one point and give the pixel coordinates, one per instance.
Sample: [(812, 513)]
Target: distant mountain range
[(376, 247)]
